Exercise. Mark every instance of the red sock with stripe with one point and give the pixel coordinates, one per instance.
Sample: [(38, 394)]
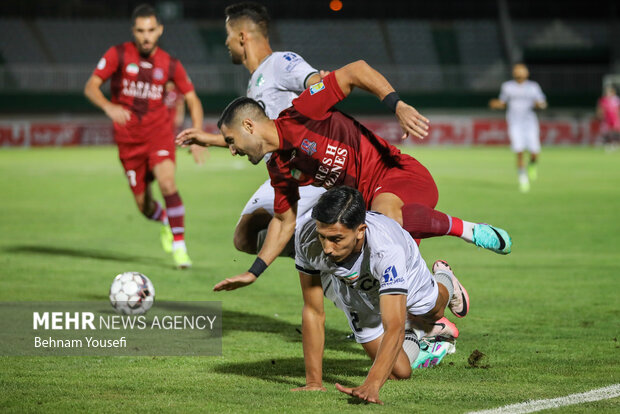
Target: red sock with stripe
[(423, 222), (176, 217)]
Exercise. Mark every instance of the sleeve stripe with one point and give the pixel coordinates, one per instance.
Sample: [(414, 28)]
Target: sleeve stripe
[(307, 271), (393, 290), (308, 77)]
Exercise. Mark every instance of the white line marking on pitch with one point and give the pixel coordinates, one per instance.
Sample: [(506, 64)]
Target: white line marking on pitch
[(598, 394)]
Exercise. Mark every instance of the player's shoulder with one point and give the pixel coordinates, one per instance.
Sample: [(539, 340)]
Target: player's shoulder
[(383, 231)]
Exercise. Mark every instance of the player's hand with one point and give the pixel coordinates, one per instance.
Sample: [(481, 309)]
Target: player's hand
[(236, 282), (323, 73), (195, 136), (363, 392), (496, 104), (117, 113), (199, 153), (411, 121), (310, 388)]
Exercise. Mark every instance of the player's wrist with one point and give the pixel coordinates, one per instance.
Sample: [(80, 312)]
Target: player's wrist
[(258, 267), (391, 101)]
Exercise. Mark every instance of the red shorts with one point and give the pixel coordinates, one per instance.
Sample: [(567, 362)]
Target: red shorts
[(139, 158), (412, 184)]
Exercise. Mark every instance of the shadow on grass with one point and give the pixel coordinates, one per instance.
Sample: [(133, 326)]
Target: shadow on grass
[(291, 371), (84, 253)]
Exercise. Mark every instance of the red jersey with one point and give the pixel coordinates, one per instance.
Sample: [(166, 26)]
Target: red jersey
[(138, 84), (321, 146)]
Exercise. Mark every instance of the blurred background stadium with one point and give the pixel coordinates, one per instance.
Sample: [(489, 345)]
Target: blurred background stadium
[(445, 57)]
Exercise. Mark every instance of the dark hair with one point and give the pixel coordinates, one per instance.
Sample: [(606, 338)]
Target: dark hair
[(238, 105), (257, 13), (144, 10), (344, 205)]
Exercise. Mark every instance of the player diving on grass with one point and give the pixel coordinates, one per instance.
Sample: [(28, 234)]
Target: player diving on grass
[(276, 79), (314, 144), (143, 128), (391, 299)]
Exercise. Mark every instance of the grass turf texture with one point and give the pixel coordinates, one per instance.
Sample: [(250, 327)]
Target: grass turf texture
[(546, 316)]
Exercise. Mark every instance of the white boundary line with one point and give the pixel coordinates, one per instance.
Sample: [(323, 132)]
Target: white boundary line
[(532, 406)]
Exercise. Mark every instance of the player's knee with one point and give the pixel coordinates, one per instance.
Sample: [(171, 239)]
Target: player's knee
[(167, 186), (401, 372), (243, 242)]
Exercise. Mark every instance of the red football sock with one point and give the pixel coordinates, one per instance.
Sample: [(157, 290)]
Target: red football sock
[(176, 215), (423, 222)]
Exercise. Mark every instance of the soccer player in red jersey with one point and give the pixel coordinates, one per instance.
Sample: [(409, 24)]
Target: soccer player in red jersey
[(314, 144), (143, 128)]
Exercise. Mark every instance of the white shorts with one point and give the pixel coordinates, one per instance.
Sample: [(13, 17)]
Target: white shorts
[(264, 197), (362, 308), (524, 135)]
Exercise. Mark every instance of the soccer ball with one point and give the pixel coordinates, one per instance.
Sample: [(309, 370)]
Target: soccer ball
[(132, 293)]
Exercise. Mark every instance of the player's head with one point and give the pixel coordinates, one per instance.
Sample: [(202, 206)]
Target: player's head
[(238, 123), (146, 28), (245, 21), (520, 72), (610, 90), (340, 216)]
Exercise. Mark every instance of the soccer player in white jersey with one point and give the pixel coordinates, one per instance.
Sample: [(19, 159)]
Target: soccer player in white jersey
[(380, 277), (276, 79), (522, 96)]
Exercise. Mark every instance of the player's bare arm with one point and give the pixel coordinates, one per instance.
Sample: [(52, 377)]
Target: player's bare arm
[(497, 104), (196, 136), (540, 105), (393, 315), (92, 90), (313, 331), (197, 115), (361, 75), (281, 229)]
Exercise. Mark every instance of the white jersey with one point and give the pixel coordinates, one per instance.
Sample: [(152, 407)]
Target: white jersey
[(389, 263), (520, 99), (279, 79)]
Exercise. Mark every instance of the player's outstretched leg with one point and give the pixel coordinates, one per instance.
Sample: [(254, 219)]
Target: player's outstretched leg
[(459, 299), (423, 222)]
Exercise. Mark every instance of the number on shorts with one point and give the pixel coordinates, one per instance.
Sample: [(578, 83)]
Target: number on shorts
[(354, 320), (131, 174)]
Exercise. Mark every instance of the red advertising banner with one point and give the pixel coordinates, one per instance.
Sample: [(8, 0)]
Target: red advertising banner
[(444, 130)]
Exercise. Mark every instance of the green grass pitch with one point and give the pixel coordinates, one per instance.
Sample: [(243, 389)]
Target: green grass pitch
[(547, 316)]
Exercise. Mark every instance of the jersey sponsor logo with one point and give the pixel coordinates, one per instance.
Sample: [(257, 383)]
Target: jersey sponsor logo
[(163, 153), (309, 147), (390, 276), (101, 64), (290, 56), (293, 60), (146, 65), (331, 166), (132, 69), (158, 73), (317, 87), (260, 80), (142, 90)]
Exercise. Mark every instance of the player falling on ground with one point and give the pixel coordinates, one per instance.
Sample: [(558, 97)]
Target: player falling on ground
[(143, 129), (522, 96), (314, 144), (276, 79), (383, 282), (608, 111)]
